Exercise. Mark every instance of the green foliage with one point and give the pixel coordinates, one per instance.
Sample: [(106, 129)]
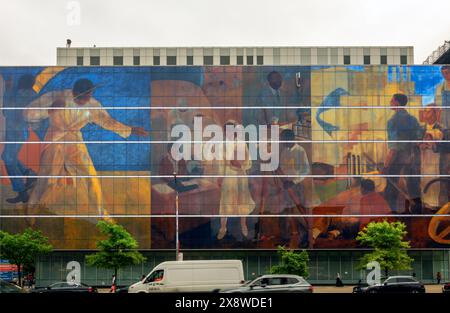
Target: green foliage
[(118, 250), (295, 263), (389, 249), (23, 249)]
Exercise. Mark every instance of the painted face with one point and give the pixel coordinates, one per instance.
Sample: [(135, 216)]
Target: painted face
[(394, 103), (82, 100), (446, 74), (430, 116), (275, 81)]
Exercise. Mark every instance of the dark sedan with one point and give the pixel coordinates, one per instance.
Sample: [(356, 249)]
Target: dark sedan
[(446, 288), (396, 284), (66, 287), (6, 287)]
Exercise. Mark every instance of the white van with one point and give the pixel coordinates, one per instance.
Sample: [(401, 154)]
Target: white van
[(191, 276)]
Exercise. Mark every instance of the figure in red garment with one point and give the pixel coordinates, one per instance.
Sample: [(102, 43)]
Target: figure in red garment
[(372, 203)]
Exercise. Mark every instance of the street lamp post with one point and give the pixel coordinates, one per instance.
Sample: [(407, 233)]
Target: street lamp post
[(177, 240)]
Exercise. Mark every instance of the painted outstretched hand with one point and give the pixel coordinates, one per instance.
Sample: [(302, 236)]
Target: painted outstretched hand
[(139, 131)]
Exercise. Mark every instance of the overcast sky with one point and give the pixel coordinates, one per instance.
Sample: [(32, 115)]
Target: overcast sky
[(30, 30)]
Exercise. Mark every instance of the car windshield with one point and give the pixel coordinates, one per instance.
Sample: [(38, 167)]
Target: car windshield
[(256, 281), (155, 276), (64, 285), (391, 280), (6, 287)]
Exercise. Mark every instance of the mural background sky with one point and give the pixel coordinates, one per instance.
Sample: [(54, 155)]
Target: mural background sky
[(31, 30)]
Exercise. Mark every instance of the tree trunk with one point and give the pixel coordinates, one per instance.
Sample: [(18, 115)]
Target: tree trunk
[(386, 272), (19, 276)]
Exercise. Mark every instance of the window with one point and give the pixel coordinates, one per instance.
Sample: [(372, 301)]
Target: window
[(276, 281), (208, 60), (224, 60), (346, 59), (136, 60), (156, 60), (249, 59), (171, 60), (322, 56), (80, 61), (155, 276), (322, 59), (190, 60), (403, 59), (260, 60), (383, 59), (367, 59), (291, 281), (390, 281), (95, 60), (239, 60), (118, 60), (405, 280)]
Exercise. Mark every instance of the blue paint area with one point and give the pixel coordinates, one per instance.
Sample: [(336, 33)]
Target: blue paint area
[(16, 72), (356, 68), (116, 87), (122, 87), (426, 79), (333, 100)]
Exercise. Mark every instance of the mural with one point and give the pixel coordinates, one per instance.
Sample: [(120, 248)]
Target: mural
[(357, 144)]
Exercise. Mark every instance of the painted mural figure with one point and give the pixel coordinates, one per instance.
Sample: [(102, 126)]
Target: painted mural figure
[(235, 197), (271, 97), (180, 116), (17, 129), (293, 161), (403, 158), (62, 159), (442, 97), (371, 203), (431, 158)]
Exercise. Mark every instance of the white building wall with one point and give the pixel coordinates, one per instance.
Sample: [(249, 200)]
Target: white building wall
[(286, 55)]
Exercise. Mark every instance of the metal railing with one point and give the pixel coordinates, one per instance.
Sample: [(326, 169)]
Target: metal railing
[(438, 53)]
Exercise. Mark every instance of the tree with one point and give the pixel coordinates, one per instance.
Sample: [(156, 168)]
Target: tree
[(23, 249), (295, 263), (117, 251), (389, 248)]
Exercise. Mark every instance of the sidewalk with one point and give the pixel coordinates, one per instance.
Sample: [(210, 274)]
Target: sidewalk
[(349, 289), (333, 289)]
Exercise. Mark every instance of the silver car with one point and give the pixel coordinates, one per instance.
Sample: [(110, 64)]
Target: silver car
[(274, 283)]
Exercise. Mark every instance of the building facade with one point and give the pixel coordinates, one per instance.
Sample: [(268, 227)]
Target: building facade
[(80, 144), (146, 56)]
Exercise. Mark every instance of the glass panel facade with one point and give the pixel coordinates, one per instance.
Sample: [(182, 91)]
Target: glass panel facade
[(80, 143)]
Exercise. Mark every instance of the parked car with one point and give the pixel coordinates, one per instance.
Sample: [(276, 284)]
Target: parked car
[(446, 287), (396, 284), (6, 287), (191, 276), (359, 288), (123, 289), (274, 283), (66, 287)]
